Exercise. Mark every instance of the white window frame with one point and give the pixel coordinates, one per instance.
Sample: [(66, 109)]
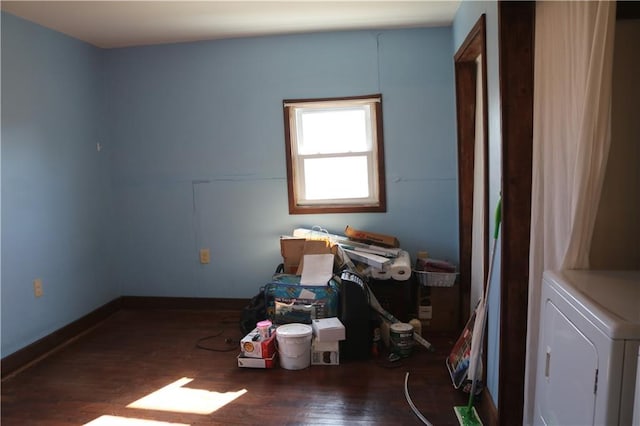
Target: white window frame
[(374, 154)]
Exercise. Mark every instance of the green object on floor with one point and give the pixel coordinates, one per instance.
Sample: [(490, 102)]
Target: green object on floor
[(467, 416)]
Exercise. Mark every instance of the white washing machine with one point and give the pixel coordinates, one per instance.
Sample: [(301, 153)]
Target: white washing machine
[(588, 348)]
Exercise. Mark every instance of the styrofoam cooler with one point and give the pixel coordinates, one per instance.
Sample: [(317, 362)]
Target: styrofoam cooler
[(294, 346)]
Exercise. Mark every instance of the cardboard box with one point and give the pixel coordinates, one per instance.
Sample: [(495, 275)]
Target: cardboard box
[(292, 249), (325, 353), (371, 238), (258, 348), (328, 329), (425, 312), (439, 308), (248, 362)]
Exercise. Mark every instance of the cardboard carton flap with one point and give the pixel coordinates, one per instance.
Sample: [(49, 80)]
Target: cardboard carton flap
[(293, 249)]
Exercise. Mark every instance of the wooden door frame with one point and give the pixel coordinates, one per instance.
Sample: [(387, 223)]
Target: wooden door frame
[(466, 89), (516, 27)]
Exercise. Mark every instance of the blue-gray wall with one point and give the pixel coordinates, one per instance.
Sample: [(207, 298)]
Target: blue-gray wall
[(467, 15), (198, 141), (57, 217), (194, 141)]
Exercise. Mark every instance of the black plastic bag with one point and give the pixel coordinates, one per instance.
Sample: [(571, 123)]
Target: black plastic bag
[(253, 313)]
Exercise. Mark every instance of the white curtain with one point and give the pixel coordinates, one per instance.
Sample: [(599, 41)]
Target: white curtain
[(571, 138)]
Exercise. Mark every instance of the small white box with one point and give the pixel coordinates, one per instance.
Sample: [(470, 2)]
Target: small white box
[(328, 329), (325, 353)]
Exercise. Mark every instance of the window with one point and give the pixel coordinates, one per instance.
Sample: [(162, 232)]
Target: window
[(335, 155)]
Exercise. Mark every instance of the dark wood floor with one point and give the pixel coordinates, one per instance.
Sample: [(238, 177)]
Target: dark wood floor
[(135, 353)]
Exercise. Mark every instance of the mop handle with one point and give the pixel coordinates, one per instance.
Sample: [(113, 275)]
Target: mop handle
[(498, 218)]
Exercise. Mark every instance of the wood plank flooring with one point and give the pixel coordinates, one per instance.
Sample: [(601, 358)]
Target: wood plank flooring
[(152, 353)]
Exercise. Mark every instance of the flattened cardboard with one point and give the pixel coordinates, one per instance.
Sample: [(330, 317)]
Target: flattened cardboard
[(293, 250)]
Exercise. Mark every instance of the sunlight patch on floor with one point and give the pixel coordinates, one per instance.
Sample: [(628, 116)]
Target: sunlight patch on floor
[(176, 398), (128, 421)]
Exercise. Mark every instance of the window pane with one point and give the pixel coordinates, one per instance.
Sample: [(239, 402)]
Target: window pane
[(333, 131), (336, 178), (335, 155)]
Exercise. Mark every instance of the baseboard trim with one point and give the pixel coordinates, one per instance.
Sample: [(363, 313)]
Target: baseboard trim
[(187, 303), (39, 349), (25, 356)]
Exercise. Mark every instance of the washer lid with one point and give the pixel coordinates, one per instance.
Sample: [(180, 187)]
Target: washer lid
[(294, 330), (609, 299)]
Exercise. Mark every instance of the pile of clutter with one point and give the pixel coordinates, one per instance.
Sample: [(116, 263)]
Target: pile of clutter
[(372, 255), (301, 317), (299, 345)]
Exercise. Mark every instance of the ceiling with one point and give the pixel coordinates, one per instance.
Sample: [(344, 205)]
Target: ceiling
[(110, 24)]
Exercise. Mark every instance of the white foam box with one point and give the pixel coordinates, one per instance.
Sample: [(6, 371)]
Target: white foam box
[(328, 329), (258, 348), (248, 362), (325, 353)]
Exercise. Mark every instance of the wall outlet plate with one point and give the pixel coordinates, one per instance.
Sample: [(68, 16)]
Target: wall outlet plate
[(37, 287), (205, 256)]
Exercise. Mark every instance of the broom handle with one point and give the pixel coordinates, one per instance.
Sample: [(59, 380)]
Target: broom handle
[(498, 220)]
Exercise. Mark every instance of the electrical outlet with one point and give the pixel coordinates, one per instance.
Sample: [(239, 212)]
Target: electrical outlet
[(37, 287), (205, 256)]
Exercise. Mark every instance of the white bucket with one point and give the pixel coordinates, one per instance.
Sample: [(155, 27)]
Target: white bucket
[(294, 345)]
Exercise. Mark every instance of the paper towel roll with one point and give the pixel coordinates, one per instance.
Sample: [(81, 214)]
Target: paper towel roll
[(379, 274), (401, 267)]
